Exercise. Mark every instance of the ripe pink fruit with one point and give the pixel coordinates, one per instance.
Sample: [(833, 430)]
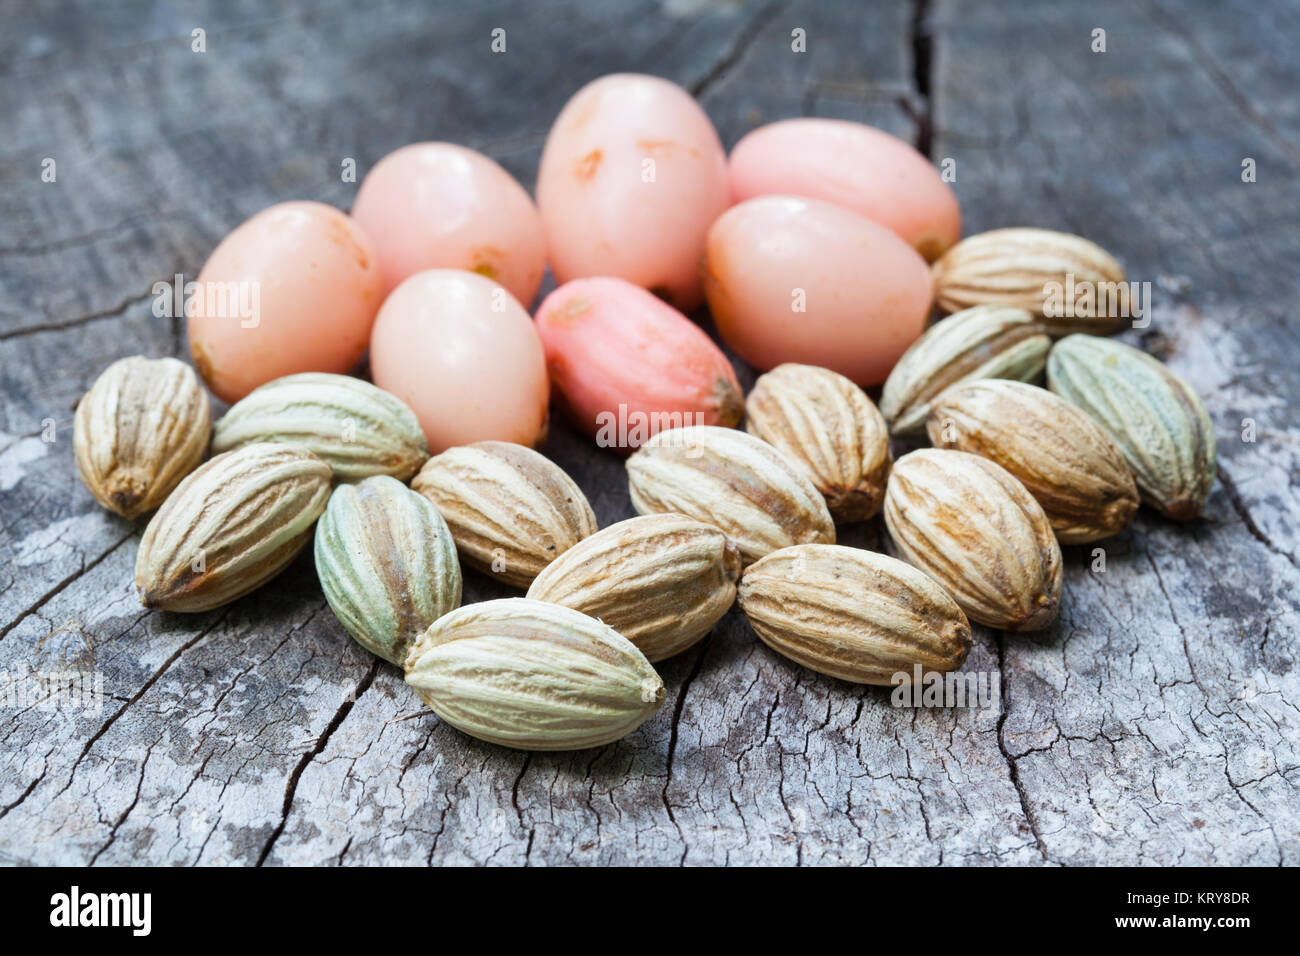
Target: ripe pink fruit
[(628, 365), (631, 177), (854, 166)]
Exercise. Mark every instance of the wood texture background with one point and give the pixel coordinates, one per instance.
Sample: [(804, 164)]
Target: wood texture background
[(1155, 723)]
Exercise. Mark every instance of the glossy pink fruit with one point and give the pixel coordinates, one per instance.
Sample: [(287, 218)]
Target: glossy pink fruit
[(464, 355), (800, 280), (629, 365), (293, 289), (855, 166), (632, 175), (442, 206)]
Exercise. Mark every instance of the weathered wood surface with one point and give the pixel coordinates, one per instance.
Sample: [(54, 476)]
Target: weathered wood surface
[(1155, 723)]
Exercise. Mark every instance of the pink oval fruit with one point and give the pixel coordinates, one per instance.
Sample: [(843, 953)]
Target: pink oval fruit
[(442, 206), (855, 166), (631, 177), (800, 280), (464, 355), (293, 289), (629, 365)]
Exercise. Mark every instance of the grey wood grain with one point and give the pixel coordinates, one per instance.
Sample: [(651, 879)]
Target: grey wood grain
[(1155, 723)]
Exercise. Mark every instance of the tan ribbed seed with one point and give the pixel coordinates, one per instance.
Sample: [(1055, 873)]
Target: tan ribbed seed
[(511, 510), (386, 563), (1068, 283), (758, 497), (1154, 416), (358, 429), (231, 526), (533, 675), (828, 427), (1062, 457), (853, 614), (143, 426), (987, 341), (970, 525), (662, 581)]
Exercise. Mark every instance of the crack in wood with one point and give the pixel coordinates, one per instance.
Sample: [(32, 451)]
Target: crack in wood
[(62, 586), (1014, 771), (1239, 506), (1202, 58), (144, 689), (291, 786), (112, 312), (922, 66), (736, 52)]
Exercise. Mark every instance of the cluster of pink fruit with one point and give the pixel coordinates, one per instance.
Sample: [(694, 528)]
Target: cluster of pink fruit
[(810, 244)]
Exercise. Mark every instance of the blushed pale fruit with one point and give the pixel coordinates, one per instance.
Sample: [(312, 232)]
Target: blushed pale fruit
[(631, 176), (442, 206), (986, 341), (143, 426), (464, 355), (1061, 456), (753, 493), (801, 280), (970, 525), (662, 581), (511, 510), (1154, 416), (851, 165), (853, 614), (293, 289), (829, 428), (387, 564), (628, 365), (358, 429), (533, 676), (232, 525)]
